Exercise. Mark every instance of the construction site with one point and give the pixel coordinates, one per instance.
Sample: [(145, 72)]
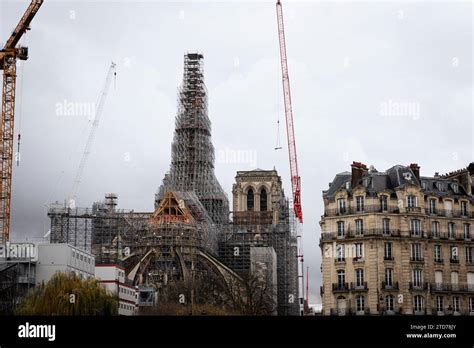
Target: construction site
[(192, 232), (193, 243)]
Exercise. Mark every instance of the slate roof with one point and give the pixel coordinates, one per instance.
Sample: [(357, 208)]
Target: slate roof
[(393, 178)]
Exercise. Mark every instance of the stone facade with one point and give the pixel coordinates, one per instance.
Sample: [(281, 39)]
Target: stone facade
[(397, 243), (261, 219)]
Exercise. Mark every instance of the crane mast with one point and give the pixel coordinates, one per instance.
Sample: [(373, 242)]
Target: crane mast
[(8, 57), (295, 178), (90, 138)]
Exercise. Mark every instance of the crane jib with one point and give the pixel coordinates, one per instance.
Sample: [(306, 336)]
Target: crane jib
[(292, 154)]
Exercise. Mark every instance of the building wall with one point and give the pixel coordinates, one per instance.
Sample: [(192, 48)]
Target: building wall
[(259, 227), (112, 277), (54, 258), (400, 234), (263, 263)]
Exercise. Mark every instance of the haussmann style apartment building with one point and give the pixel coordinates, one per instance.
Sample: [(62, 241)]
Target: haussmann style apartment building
[(395, 242)]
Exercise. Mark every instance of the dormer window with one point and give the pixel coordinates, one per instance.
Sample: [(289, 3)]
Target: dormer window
[(411, 201), (348, 185), (341, 206), (455, 187), (440, 186), (424, 185)]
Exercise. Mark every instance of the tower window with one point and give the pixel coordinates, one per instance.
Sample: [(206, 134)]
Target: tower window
[(250, 200), (263, 200)]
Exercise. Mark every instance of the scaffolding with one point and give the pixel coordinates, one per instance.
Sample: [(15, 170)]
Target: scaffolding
[(190, 232), (251, 229), (192, 152)]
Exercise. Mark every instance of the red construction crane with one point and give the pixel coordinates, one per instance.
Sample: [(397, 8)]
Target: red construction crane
[(290, 131), (8, 57)]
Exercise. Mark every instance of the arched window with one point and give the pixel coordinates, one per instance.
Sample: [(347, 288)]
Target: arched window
[(250, 200), (263, 200)]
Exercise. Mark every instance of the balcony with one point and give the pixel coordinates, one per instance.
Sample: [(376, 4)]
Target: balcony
[(417, 259), (358, 260), (449, 287), (439, 261), (418, 286), (377, 232), (340, 287), (376, 208), (413, 210), (359, 287), (418, 234), (388, 258), (340, 260), (392, 287), (349, 311), (451, 260)]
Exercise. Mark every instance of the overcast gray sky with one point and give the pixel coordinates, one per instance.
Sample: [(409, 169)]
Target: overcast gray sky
[(384, 83)]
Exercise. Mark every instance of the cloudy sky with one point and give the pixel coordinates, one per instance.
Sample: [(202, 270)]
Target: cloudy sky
[(384, 83)]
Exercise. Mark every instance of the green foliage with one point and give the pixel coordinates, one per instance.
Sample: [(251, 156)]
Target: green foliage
[(54, 298)]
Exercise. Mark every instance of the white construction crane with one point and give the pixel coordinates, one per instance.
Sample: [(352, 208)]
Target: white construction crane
[(90, 139)]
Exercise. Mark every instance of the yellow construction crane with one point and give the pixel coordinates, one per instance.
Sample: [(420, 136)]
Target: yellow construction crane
[(8, 56)]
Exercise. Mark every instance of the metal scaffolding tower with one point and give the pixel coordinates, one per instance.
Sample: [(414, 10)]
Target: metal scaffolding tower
[(192, 152)]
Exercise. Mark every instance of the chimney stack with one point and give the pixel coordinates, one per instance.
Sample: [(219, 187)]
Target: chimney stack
[(415, 168), (470, 168), (358, 169)]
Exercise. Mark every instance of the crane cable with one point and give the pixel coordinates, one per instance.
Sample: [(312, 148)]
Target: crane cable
[(278, 142)]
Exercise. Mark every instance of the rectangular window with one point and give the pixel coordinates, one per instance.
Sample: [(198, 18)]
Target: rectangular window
[(359, 251), (360, 203), (456, 306), (417, 277), (359, 277), (439, 303), (471, 304), (448, 208), (432, 206), (389, 276), (359, 227), (467, 231), (415, 227), (340, 228), (435, 229), (341, 205), (454, 254), (389, 301), (463, 208), (416, 252), (340, 252), (468, 254), (438, 278), (437, 253), (418, 303), (384, 203), (360, 303), (341, 278), (451, 230), (388, 251), (386, 226), (411, 201)]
